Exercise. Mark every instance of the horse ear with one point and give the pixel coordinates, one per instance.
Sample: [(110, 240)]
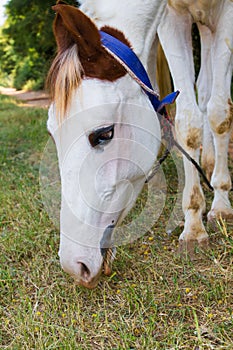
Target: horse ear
[(60, 2), (71, 26)]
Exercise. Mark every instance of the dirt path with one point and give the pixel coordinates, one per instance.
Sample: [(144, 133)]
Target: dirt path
[(28, 98), (41, 99)]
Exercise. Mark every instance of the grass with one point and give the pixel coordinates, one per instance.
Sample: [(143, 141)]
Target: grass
[(153, 300)]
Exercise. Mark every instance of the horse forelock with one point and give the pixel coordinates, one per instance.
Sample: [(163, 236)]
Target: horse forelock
[(64, 78), (70, 67)]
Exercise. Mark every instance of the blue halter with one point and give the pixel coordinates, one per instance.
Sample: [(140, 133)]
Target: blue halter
[(131, 60)]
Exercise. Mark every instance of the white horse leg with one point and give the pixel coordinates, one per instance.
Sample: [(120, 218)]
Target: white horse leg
[(220, 112), (178, 50), (204, 85)]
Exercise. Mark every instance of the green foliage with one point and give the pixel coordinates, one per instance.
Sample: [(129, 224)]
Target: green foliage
[(31, 68), (27, 44)]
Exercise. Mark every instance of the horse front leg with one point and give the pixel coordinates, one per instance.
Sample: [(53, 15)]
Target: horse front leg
[(220, 113), (221, 180), (204, 86), (188, 122)]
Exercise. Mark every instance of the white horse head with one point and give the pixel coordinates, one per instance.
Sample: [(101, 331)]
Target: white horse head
[(107, 137)]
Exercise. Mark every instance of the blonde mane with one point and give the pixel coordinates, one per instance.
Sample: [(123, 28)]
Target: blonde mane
[(64, 78)]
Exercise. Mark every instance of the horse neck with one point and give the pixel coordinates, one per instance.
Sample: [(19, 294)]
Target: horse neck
[(137, 19)]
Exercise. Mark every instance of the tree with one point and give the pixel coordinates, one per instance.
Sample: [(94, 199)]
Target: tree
[(27, 44)]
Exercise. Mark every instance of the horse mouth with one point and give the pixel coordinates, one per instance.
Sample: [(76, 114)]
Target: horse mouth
[(88, 285)]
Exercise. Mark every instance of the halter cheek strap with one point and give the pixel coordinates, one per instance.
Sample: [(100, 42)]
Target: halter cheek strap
[(130, 61)]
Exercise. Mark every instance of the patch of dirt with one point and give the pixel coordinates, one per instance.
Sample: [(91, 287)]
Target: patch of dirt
[(28, 98)]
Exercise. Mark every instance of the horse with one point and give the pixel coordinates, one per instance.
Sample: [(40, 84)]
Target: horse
[(208, 121), (106, 131)]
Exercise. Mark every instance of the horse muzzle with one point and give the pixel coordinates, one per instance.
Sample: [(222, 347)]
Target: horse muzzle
[(87, 272)]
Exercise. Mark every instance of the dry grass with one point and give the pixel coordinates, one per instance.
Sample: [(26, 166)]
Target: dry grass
[(153, 300)]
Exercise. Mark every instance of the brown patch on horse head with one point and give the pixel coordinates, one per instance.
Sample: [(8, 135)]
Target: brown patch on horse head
[(194, 138), (117, 34), (71, 26), (196, 199), (226, 125)]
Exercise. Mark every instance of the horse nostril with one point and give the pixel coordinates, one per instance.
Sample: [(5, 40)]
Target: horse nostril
[(84, 271)]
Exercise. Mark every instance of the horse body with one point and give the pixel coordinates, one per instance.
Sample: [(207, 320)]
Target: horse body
[(104, 129), (213, 113), (202, 11)]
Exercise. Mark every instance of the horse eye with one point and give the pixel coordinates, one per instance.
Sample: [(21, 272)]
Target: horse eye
[(101, 136)]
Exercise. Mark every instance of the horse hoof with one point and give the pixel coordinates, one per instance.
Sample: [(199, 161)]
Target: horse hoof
[(214, 215), (189, 248)]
